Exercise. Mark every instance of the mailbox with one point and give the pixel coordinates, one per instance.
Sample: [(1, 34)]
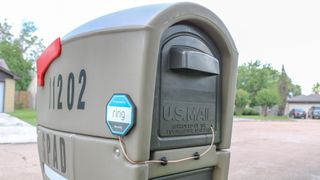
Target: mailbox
[(142, 94), (187, 89)]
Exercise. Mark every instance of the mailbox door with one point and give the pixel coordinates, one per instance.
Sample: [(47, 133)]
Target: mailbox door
[(203, 174), (187, 89)]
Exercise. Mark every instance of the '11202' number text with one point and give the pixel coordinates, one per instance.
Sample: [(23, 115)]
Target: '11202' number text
[(56, 90)]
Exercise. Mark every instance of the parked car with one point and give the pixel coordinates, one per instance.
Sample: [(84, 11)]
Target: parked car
[(297, 113), (314, 112)]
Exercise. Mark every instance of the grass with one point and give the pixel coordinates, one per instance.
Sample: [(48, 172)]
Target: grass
[(270, 118), (27, 115)]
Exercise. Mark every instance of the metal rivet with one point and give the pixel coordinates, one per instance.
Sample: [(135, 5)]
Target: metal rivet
[(196, 156), (164, 161), (117, 152)]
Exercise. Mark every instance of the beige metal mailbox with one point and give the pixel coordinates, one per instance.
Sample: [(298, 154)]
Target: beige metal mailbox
[(144, 93)]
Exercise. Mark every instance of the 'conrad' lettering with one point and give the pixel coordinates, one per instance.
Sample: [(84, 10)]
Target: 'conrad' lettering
[(185, 113)]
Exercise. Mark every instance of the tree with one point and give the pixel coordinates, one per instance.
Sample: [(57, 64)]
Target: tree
[(30, 44), (14, 59), (253, 77), (267, 98), (283, 88), (20, 53), (316, 88), (242, 100), (294, 89), (5, 34)]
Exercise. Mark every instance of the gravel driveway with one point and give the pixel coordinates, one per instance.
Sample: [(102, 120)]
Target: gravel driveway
[(261, 150), (19, 162), (270, 150)]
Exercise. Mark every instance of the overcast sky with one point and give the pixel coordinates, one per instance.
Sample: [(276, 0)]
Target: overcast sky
[(278, 32)]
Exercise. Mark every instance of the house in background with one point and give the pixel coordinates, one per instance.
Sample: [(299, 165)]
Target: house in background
[(7, 88), (303, 102)]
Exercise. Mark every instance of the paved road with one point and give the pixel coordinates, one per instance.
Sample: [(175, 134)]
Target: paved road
[(261, 150)]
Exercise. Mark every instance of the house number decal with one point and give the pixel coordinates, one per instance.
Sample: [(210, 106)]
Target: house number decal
[(58, 85)]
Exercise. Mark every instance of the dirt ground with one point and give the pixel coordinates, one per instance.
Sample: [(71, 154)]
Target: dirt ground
[(265, 150), (19, 162), (261, 150)]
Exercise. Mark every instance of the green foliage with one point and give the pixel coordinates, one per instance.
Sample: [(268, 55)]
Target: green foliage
[(253, 77), (264, 118), (316, 88), (30, 44), (5, 34), (27, 115), (20, 53), (242, 100), (267, 98), (295, 90), (11, 53), (249, 112)]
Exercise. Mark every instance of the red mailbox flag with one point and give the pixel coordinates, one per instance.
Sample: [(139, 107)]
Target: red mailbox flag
[(46, 58)]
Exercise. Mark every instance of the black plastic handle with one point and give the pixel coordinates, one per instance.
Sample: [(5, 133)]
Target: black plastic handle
[(182, 58)]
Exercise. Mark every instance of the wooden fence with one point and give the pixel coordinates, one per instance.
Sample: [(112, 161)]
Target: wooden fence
[(22, 99)]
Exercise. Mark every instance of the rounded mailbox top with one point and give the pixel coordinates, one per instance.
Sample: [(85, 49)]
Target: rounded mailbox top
[(128, 18), (159, 16)]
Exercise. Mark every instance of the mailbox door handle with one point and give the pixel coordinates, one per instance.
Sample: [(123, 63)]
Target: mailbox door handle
[(182, 58)]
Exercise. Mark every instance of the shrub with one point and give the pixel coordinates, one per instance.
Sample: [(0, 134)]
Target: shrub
[(250, 112)]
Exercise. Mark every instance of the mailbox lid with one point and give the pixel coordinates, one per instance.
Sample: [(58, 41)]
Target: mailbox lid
[(133, 18), (186, 99)]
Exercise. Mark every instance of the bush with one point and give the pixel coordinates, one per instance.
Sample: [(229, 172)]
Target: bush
[(250, 112)]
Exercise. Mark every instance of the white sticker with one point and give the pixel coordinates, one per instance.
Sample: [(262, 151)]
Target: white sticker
[(119, 114)]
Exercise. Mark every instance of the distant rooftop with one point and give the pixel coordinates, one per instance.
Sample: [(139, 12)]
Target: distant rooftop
[(4, 68), (312, 98), (4, 64)]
